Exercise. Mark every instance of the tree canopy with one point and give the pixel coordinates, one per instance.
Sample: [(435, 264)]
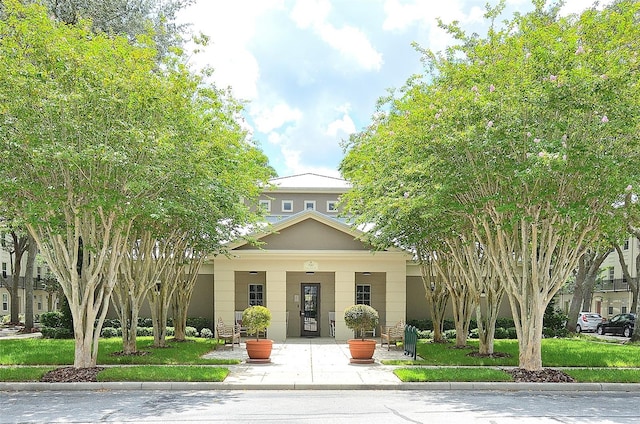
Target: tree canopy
[(103, 137), (521, 141)]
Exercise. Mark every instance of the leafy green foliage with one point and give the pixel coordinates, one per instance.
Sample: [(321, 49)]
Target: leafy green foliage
[(361, 318), (256, 319)]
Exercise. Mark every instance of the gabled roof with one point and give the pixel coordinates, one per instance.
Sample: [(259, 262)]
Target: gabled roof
[(310, 182), (298, 218)]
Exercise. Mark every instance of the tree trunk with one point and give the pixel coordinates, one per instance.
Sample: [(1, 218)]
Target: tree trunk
[(530, 337), (533, 257), (159, 307), (85, 260), (586, 277), (20, 244), (179, 309), (28, 284), (437, 297), (187, 278), (139, 271)]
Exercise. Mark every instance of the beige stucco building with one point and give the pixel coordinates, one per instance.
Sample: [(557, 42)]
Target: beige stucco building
[(307, 267)]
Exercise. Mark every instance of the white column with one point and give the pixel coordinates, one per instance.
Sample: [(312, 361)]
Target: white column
[(277, 304), (345, 297)]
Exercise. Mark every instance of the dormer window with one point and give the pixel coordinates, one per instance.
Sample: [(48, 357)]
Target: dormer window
[(287, 206), (332, 206), (310, 205)]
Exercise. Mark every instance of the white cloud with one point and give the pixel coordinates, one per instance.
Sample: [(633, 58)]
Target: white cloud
[(230, 26), (351, 42), (344, 125), (295, 166), (269, 119), (310, 13)]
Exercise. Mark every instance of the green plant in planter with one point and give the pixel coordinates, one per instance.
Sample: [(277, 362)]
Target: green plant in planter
[(361, 318), (256, 319)]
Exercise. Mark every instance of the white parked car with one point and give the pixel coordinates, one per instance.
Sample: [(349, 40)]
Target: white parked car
[(588, 321)]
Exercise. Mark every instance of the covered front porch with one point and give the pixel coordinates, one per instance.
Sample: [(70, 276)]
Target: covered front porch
[(308, 292)]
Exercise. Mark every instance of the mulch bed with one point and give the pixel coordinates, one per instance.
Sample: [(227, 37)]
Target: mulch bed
[(477, 354), (72, 375), (137, 353), (546, 375)]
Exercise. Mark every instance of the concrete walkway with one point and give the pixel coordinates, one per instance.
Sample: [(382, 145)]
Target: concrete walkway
[(311, 363)]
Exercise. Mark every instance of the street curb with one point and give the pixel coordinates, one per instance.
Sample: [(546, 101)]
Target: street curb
[(434, 386)]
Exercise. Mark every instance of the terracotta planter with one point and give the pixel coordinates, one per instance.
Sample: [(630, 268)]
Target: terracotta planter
[(259, 350), (361, 350)]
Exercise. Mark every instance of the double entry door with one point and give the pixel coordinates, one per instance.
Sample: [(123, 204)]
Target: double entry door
[(310, 310)]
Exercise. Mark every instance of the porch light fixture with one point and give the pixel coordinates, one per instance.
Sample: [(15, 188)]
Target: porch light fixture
[(310, 272), (366, 273), (253, 272)]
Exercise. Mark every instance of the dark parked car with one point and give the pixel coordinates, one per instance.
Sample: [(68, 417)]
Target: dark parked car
[(620, 324)]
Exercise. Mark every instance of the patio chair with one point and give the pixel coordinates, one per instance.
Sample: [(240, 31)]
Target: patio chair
[(393, 333), (332, 324), (229, 333)]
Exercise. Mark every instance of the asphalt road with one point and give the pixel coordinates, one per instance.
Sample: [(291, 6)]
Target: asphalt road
[(306, 407)]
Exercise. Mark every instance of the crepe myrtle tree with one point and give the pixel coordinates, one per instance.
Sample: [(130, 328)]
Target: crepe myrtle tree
[(86, 177), (527, 135)]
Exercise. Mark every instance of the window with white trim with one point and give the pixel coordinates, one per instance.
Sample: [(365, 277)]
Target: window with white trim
[(309, 205), (5, 302), (256, 294), (332, 206), (626, 244), (363, 294), (4, 269), (287, 206), (611, 274), (265, 205)]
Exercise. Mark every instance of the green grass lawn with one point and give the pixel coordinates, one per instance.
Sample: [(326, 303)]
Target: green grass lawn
[(421, 374), (26, 360), (23, 373), (60, 352), (570, 352), (612, 362), (30, 359), (164, 373)]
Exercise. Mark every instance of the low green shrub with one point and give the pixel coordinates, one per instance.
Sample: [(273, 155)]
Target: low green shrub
[(449, 334), (144, 331), (206, 333), (171, 331), (109, 332), (56, 333), (425, 334), (190, 332), (145, 322), (111, 322), (51, 319), (199, 323), (501, 333)]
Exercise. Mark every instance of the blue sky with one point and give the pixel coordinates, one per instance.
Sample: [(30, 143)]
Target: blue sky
[(312, 70)]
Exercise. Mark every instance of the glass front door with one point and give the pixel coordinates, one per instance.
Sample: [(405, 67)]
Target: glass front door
[(310, 313)]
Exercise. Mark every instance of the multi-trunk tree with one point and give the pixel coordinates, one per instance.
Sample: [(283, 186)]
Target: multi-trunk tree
[(526, 136), (105, 136)]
